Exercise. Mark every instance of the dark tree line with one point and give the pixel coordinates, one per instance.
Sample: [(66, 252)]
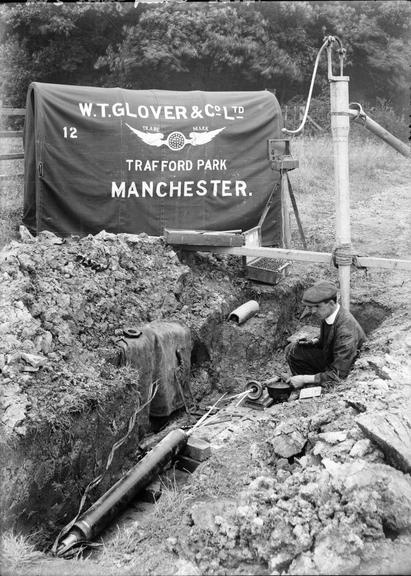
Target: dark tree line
[(205, 46)]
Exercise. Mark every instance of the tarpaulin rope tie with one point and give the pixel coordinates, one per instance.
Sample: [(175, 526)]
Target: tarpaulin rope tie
[(153, 391)]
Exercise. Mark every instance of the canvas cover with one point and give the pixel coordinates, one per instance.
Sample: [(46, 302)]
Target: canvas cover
[(161, 353), (144, 160)]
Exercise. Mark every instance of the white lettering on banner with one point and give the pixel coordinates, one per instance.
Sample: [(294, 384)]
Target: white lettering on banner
[(181, 189), (175, 165), (168, 111), (212, 164)]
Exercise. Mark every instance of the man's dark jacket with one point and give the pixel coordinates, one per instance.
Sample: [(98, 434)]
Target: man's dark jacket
[(340, 343)]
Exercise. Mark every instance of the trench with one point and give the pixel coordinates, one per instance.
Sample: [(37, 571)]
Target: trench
[(227, 356), (223, 357)]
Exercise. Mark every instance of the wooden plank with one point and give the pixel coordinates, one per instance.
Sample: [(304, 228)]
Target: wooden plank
[(10, 176), (11, 133), (392, 433), (13, 111), (262, 252), (388, 263), (285, 209), (11, 156), (314, 123), (200, 237), (303, 256)]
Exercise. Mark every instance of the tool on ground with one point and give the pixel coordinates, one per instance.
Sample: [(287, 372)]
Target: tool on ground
[(275, 386)]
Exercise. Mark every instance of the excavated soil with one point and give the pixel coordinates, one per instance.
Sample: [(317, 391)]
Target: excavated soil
[(296, 489), (65, 305)]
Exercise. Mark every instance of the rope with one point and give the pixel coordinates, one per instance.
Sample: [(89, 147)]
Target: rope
[(98, 479), (342, 255)]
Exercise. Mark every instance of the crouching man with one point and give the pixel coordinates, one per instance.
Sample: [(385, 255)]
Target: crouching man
[(329, 358)]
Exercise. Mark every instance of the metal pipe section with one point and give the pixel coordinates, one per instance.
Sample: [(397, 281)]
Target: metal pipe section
[(244, 312), (106, 508), (356, 112), (340, 126)]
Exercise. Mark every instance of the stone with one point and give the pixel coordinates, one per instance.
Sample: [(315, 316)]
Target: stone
[(333, 437), (288, 445), (323, 417), (360, 448), (280, 561), (288, 440), (392, 433), (334, 553), (303, 565), (393, 486), (186, 568), (34, 360), (204, 514)]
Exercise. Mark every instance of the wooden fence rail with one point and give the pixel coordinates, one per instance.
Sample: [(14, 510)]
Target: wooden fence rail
[(11, 134)]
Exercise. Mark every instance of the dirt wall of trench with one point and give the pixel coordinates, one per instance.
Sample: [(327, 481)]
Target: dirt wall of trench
[(66, 403), (46, 470)]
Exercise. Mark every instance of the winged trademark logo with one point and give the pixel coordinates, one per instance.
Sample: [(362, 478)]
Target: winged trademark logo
[(175, 140)]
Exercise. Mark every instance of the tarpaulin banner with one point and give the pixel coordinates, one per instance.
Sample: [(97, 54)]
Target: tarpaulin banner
[(144, 160)]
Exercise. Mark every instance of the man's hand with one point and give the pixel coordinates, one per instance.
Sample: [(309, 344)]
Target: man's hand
[(298, 381)]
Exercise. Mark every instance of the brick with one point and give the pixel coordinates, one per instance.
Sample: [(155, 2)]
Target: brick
[(152, 492), (197, 448)]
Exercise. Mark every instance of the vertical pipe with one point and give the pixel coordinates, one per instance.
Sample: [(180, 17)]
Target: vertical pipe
[(340, 126)]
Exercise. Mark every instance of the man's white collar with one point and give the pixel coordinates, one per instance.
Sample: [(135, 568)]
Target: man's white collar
[(331, 318)]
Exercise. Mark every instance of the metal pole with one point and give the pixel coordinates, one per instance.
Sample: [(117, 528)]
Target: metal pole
[(371, 125), (340, 126)]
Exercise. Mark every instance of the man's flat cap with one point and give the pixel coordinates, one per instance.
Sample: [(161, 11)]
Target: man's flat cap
[(322, 290)]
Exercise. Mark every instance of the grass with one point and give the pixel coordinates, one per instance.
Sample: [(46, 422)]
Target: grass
[(17, 553), (19, 557), (374, 168), (11, 191)]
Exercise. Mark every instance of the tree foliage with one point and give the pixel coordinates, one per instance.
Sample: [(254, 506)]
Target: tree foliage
[(206, 46), (57, 43), (197, 47)]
